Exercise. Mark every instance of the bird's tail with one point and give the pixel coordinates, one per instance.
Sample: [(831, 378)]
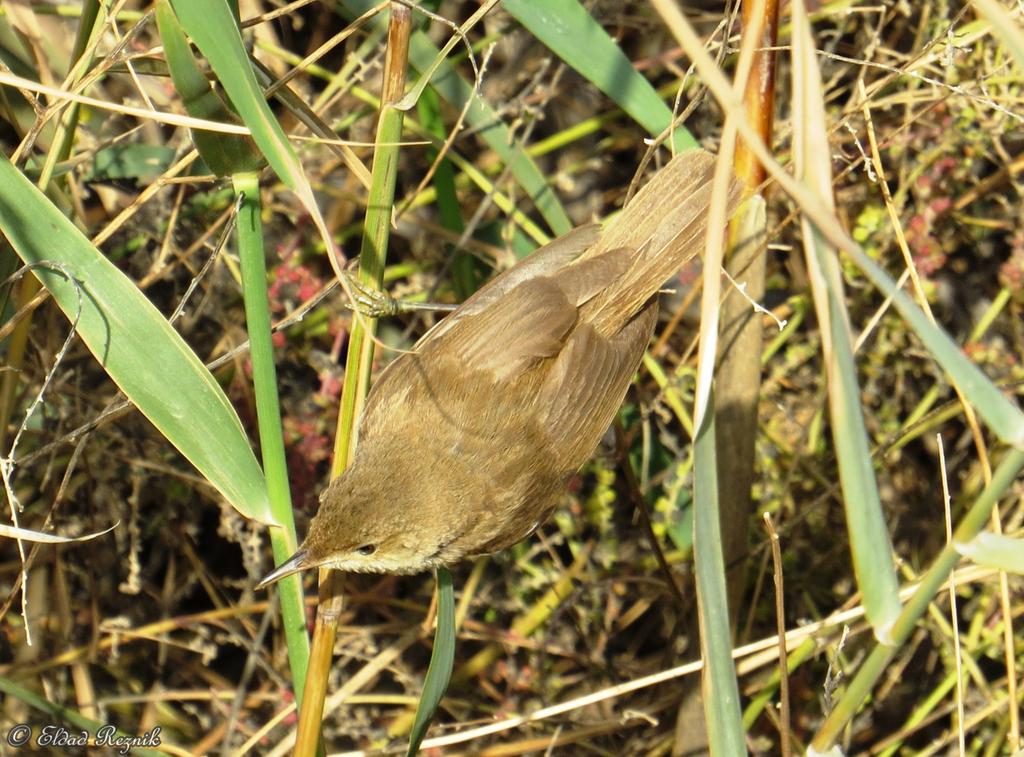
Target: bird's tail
[(665, 223)]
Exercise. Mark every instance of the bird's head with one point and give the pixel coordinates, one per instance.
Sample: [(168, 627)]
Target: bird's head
[(366, 527)]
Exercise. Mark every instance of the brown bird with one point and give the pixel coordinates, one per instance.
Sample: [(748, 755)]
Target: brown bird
[(466, 442)]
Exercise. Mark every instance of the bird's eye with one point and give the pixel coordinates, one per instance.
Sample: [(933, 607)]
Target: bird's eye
[(367, 549)]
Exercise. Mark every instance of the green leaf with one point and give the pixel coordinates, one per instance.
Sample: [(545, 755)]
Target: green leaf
[(136, 345), (865, 520), (225, 154), (213, 28), (131, 161), (721, 690), (572, 34), (995, 551), (439, 673)]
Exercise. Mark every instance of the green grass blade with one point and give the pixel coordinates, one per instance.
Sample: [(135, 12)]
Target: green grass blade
[(456, 91), (763, 699), (136, 345), (372, 258), (237, 156), (996, 409), (268, 413), (225, 154), (870, 546), (876, 664), (213, 28), (995, 551), (442, 658), (489, 126), (449, 212), (721, 691), (572, 34), (865, 521)]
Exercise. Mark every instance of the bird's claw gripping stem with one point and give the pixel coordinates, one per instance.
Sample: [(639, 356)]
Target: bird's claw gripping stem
[(373, 303)]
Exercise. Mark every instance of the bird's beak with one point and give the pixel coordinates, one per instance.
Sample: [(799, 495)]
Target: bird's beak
[(293, 564)]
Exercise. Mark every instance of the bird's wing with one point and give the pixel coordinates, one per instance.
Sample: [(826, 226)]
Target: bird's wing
[(512, 334), (587, 383), (546, 261), (500, 341), (530, 322), (477, 354)]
